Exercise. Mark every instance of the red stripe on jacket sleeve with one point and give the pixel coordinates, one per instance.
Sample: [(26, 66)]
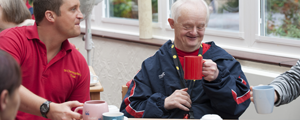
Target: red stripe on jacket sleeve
[(242, 98), (129, 109), (127, 102), (132, 112), (243, 81)]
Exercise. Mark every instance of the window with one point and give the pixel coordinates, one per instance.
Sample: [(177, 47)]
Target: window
[(127, 9), (224, 14), (247, 27), (280, 18)]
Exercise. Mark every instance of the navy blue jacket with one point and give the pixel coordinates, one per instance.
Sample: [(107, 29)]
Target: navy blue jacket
[(228, 96)]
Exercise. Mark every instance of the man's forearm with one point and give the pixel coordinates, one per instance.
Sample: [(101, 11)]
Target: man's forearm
[(287, 85), (30, 103)]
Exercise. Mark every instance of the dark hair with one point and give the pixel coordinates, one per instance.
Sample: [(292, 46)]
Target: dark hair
[(41, 6), (10, 73)]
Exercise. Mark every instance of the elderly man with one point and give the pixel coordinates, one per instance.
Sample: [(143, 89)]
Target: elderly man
[(55, 75), (159, 90)]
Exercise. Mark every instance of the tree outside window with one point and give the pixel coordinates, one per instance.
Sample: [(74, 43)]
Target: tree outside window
[(282, 18), (129, 9)]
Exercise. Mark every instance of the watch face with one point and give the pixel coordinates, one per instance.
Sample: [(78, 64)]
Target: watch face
[(44, 108)]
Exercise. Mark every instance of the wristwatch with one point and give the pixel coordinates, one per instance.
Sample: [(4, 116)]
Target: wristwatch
[(44, 109)]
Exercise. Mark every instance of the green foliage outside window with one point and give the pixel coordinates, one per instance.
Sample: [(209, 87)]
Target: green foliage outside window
[(290, 25), (154, 6), (127, 8), (230, 6), (30, 2), (122, 8)]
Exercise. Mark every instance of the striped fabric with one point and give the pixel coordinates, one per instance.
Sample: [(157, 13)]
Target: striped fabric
[(287, 85)]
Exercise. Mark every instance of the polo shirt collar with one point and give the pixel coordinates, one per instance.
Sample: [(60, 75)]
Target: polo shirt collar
[(32, 34), (66, 45)]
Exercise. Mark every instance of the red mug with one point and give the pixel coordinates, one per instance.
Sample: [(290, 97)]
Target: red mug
[(193, 67)]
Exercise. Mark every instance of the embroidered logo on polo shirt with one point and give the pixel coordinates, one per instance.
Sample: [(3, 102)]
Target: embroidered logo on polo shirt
[(72, 73)]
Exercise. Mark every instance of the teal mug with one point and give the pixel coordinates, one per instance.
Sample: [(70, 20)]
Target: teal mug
[(113, 116)]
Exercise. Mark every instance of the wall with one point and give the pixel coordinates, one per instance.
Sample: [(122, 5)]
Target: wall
[(116, 62)]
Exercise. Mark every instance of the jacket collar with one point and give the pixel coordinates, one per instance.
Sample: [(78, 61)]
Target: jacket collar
[(214, 52)]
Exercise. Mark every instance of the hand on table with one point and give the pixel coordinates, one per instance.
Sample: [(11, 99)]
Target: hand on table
[(210, 70), (63, 111), (178, 99)]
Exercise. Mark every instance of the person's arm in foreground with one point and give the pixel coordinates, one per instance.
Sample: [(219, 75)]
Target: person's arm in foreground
[(287, 85), (30, 103), (227, 87)]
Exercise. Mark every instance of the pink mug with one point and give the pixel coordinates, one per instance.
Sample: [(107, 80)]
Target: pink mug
[(193, 67), (93, 109)]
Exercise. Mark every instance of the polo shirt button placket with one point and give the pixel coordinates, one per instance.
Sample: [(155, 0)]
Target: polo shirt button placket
[(44, 76), (46, 60)]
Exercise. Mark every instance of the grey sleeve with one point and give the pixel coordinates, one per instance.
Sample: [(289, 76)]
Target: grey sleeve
[(287, 85)]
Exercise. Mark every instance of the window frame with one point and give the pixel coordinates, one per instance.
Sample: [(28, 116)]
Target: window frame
[(247, 39)]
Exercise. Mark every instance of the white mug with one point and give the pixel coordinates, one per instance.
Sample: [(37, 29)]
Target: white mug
[(211, 117), (94, 76), (93, 81), (263, 97)]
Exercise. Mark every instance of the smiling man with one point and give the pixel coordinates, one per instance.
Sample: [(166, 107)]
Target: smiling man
[(159, 90), (55, 75)]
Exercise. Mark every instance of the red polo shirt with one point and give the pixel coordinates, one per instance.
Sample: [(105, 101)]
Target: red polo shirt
[(65, 78)]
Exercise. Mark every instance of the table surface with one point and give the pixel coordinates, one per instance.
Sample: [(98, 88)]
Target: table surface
[(98, 87)]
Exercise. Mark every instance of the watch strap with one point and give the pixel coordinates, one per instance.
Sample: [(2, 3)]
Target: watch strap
[(47, 103)]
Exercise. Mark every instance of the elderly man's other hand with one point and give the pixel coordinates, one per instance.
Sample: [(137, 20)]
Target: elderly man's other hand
[(210, 70), (179, 99)]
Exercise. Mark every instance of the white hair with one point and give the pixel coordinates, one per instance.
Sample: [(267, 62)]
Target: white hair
[(175, 10)]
